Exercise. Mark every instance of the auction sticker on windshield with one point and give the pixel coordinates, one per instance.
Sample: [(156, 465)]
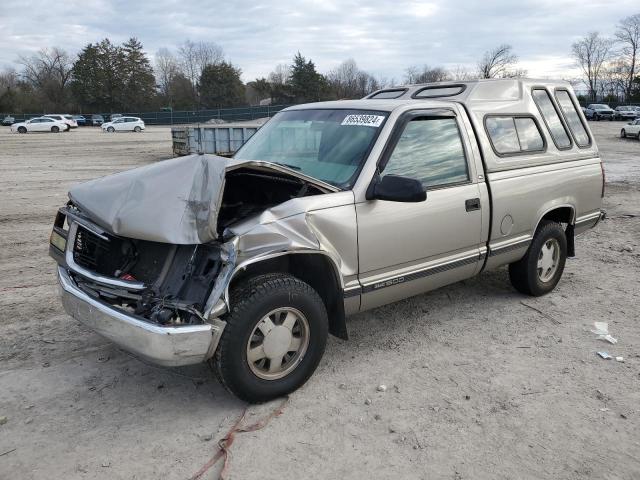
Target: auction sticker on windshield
[(363, 120)]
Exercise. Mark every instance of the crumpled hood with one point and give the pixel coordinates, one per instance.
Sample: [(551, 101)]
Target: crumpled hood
[(172, 201)]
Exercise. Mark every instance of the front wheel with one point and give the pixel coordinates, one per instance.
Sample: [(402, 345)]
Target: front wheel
[(623, 133), (111, 129), (22, 130), (274, 339), (539, 271)]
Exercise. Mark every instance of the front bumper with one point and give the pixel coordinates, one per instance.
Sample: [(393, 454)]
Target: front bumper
[(167, 346)]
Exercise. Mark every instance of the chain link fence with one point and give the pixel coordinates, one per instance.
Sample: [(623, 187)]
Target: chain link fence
[(185, 117)]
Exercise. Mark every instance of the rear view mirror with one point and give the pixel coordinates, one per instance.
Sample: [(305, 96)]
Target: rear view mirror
[(395, 188)]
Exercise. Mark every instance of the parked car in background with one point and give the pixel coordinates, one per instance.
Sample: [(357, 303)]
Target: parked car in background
[(250, 262), (631, 129), (80, 120), (588, 113), (40, 124), (64, 118), (114, 116), (8, 120), (626, 112), (95, 120), (124, 124), (601, 111)]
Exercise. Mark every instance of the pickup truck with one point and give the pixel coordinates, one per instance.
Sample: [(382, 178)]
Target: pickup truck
[(329, 209)]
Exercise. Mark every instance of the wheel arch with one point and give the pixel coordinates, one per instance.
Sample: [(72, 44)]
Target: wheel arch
[(561, 213), (315, 268)]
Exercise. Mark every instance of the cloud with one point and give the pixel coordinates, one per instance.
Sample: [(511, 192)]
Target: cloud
[(384, 37)]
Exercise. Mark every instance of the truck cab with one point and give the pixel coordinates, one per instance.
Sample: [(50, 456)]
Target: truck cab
[(329, 209)]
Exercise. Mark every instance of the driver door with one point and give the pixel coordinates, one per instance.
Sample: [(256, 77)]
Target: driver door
[(40, 125), (409, 248)]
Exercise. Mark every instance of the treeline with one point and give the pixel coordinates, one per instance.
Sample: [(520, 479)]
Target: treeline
[(610, 64), (106, 77)]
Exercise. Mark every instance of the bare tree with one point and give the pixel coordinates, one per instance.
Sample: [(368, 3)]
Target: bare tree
[(49, 73), (628, 36), (166, 68), (195, 57), (461, 73), (280, 75), (348, 81), (499, 63), (591, 53), (425, 74)]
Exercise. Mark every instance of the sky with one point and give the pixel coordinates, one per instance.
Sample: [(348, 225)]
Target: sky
[(384, 37)]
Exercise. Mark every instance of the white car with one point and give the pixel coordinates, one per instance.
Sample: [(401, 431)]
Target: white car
[(64, 118), (39, 124), (631, 129), (124, 124)]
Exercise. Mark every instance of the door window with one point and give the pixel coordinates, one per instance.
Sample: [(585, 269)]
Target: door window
[(430, 150)]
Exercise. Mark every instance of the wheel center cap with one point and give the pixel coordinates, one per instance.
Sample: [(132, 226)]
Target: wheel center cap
[(276, 342)]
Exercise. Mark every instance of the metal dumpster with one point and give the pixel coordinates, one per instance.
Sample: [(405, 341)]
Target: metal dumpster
[(219, 139)]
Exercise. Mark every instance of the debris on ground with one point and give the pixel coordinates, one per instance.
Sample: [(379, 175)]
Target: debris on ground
[(620, 359), (367, 401), (225, 443), (605, 355), (382, 388), (14, 449), (3, 420), (602, 331)]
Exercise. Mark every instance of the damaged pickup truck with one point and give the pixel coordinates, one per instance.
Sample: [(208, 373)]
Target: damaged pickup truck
[(329, 209)]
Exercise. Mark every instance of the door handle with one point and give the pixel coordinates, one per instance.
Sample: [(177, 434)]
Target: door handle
[(472, 204)]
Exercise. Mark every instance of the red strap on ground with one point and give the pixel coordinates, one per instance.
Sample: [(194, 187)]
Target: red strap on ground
[(225, 443)]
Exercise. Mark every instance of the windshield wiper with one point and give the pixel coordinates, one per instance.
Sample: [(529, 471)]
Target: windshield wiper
[(292, 167)]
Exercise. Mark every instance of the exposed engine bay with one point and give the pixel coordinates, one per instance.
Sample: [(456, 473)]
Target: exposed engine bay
[(249, 192)]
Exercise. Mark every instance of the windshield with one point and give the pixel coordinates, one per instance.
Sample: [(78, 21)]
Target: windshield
[(330, 145)]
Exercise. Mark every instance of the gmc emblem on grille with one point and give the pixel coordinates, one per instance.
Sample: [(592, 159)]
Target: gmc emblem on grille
[(388, 283)]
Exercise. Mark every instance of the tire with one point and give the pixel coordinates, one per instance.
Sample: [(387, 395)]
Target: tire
[(55, 129), (623, 133), (111, 129), (137, 129), (254, 301), (22, 129), (538, 272)]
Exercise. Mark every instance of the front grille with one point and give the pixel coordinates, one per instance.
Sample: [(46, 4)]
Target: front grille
[(89, 248)]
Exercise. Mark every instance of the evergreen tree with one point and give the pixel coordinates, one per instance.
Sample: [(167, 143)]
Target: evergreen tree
[(99, 77), (220, 86), (305, 83), (138, 78)]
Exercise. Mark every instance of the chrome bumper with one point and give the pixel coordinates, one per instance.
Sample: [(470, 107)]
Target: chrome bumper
[(168, 346)]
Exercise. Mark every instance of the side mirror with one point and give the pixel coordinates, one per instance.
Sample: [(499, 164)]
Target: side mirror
[(395, 188)]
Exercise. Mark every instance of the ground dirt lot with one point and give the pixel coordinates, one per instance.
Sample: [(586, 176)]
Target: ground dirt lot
[(482, 382)]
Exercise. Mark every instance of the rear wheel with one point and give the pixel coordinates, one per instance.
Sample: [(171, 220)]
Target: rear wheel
[(539, 271), (22, 129), (137, 129), (274, 338), (55, 129)]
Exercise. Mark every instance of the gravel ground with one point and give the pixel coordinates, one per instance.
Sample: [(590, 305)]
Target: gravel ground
[(481, 382)]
